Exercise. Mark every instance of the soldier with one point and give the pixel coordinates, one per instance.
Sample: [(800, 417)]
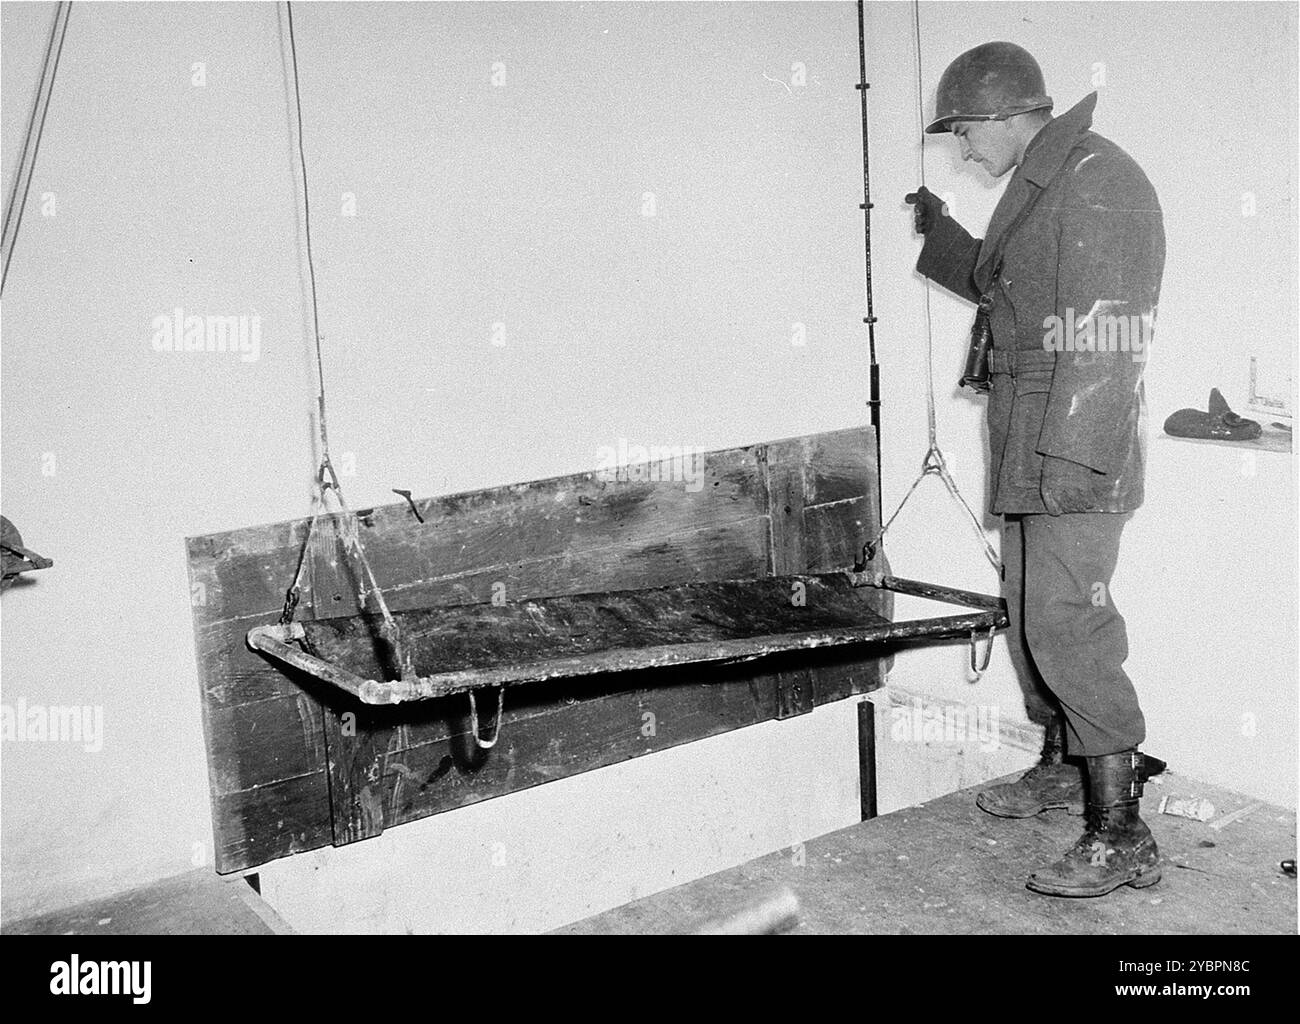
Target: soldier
[(1067, 280)]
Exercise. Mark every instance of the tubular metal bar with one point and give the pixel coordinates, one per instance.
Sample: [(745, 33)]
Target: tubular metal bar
[(275, 641), (915, 588)]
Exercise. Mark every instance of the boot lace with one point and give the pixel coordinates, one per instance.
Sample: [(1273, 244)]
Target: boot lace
[(1043, 767)]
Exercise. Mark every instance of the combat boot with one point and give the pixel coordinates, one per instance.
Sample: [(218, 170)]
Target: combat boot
[(1116, 847), (1051, 784)]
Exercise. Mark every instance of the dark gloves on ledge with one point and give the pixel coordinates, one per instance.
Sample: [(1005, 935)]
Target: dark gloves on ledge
[(1220, 423)]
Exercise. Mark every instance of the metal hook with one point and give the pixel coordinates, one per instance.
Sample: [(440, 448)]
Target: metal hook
[(933, 461), (473, 720), (988, 653), (409, 501)]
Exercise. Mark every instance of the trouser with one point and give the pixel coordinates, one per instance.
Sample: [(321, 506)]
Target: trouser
[(1067, 639)]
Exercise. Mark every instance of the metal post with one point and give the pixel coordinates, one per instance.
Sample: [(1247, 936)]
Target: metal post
[(867, 757)]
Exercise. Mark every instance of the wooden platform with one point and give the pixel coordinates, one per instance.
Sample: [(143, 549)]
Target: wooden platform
[(463, 648), (947, 867), (479, 645), (195, 903)]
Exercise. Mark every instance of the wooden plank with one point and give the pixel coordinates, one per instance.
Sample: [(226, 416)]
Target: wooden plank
[(431, 777), (253, 744), (230, 674), (783, 465), (783, 470), (255, 825), (353, 753), (839, 512), (566, 535), (469, 540), (759, 616), (360, 745), (838, 464), (195, 903), (236, 675)]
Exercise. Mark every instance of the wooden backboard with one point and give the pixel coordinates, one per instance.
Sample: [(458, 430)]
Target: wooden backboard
[(294, 766)]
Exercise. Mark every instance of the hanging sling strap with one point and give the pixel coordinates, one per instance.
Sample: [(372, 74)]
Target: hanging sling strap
[(934, 462), (327, 479)]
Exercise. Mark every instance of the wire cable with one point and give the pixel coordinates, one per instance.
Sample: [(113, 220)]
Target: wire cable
[(929, 323), (326, 478), (306, 210)]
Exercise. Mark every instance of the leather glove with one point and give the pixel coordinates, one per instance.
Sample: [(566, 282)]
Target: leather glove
[(1066, 486), (928, 209)]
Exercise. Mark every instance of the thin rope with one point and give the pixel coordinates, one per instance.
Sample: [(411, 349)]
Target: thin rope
[(929, 324), (35, 130), (326, 478), (311, 264), (934, 462)]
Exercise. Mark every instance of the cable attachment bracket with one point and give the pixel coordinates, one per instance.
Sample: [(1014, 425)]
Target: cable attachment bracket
[(978, 666), (473, 720), (291, 598)]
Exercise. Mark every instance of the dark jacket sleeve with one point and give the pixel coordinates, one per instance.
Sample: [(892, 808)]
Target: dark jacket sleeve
[(949, 256), (1110, 260)]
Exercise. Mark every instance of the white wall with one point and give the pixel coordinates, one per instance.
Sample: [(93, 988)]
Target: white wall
[(523, 206)]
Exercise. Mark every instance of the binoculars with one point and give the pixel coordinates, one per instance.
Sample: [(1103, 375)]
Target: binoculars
[(976, 372)]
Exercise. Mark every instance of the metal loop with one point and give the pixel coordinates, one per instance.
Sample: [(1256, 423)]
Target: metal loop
[(291, 598), (473, 720), (988, 653)]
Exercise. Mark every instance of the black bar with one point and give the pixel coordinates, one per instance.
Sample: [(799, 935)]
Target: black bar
[(873, 395), (867, 757)]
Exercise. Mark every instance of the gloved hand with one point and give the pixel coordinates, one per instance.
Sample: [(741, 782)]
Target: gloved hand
[(1066, 486), (929, 208)]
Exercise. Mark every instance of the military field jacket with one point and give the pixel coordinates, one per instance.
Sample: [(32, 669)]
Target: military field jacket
[(1073, 313)]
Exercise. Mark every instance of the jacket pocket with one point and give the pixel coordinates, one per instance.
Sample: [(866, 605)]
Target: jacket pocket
[(1032, 383)]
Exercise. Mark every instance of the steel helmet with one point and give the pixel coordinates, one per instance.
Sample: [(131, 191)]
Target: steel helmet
[(992, 82)]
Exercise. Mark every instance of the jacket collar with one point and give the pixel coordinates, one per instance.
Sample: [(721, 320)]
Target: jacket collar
[(1049, 148), (1044, 158)]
